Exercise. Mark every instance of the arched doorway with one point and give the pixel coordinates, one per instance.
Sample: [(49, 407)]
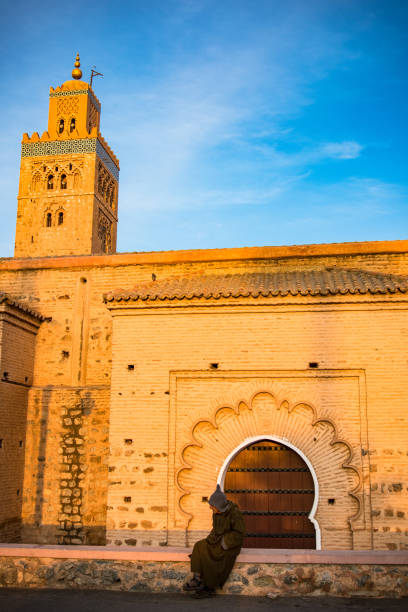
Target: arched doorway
[(275, 489)]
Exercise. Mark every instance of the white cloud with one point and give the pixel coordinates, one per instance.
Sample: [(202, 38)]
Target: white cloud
[(308, 156), (342, 150), (213, 123)]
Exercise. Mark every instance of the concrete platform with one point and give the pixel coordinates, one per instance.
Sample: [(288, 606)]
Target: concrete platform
[(248, 555)]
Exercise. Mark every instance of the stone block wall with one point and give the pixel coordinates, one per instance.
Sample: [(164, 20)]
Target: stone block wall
[(65, 483), (278, 579)]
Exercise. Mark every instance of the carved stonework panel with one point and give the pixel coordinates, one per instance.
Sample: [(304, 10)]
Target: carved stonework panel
[(36, 182), (76, 92), (67, 106), (92, 117), (77, 180), (104, 232), (66, 175), (106, 186)]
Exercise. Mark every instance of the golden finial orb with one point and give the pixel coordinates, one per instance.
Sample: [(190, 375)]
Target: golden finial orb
[(77, 72)]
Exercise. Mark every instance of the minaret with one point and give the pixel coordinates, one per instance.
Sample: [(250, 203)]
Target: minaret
[(68, 192)]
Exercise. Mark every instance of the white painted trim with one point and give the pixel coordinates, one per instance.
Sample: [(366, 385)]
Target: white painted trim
[(253, 440)]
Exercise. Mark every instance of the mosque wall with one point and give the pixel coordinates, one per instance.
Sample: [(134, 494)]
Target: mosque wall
[(173, 401), (98, 432)]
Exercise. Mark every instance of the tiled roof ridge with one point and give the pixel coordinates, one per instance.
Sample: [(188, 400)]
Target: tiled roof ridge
[(323, 281), (5, 298)]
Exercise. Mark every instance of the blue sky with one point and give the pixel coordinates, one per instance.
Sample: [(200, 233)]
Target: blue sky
[(236, 122)]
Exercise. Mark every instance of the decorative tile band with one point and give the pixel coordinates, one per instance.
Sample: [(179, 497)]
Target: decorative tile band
[(107, 160), (76, 92), (65, 147), (58, 147)]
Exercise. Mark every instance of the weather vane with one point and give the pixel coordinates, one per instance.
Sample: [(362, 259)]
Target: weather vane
[(94, 73)]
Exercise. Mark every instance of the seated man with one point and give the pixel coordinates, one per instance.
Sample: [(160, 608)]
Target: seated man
[(212, 559)]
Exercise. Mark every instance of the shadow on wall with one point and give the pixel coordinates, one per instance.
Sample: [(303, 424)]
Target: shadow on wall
[(41, 405), (46, 534), (68, 449)]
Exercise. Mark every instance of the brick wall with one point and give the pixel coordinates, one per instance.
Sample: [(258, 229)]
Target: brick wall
[(17, 342), (251, 340), (258, 349)]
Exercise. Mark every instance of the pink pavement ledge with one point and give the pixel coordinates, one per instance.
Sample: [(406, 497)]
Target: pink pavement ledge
[(248, 555)]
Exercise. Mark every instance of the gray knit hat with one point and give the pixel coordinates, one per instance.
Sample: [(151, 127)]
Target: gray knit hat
[(218, 500)]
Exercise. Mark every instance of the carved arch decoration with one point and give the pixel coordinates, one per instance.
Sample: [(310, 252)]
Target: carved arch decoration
[(71, 170), (92, 117), (269, 414), (57, 167), (104, 232), (76, 180), (106, 186), (36, 182)]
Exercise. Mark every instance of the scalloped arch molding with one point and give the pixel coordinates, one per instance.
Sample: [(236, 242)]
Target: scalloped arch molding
[(269, 412)]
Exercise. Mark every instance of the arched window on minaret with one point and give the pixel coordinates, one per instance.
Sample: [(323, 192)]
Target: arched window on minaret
[(72, 125), (50, 181), (48, 221), (61, 126), (60, 218), (63, 181)]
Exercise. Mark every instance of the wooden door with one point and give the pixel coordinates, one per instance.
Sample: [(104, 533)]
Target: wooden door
[(274, 489)]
